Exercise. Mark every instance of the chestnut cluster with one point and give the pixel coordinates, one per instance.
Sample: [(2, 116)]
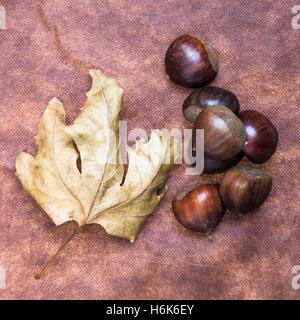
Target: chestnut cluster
[(201, 208), (229, 135)]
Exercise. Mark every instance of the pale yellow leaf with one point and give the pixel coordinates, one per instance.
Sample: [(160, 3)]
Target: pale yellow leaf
[(95, 195)]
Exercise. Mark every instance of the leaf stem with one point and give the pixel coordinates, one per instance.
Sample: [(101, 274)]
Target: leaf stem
[(45, 268)]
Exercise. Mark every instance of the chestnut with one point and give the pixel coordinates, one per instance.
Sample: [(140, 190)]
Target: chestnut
[(208, 96), (199, 208), (245, 189), (262, 136), (217, 166), (224, 134), (190, 61)]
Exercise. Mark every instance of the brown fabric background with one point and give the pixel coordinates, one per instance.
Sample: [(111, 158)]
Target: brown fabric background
[(46, 51)]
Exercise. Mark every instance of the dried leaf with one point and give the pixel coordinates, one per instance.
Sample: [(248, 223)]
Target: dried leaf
[(95, 194)]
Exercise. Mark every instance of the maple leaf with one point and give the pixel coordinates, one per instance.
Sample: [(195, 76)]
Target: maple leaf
[(95, 194)]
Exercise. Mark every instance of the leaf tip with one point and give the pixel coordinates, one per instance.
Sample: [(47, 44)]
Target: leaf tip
[(54, 101), (132, 239), (55, 104)]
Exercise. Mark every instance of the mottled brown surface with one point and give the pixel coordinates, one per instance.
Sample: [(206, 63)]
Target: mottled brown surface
[(46, 51)]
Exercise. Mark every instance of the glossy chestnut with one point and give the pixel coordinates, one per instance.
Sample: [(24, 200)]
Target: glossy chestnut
[(245, 189), (224, 134), (199, 208), (190, 61), (208, 96), (262, 136)]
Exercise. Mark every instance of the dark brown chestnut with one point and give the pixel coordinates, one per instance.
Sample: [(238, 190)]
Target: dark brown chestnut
[(262, 136), (224, 134), (209, 96), (245, 189), (191, 62), (218, 166), (199, 208)]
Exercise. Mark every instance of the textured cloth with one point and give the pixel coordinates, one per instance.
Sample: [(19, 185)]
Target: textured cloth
[(46, 51)]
